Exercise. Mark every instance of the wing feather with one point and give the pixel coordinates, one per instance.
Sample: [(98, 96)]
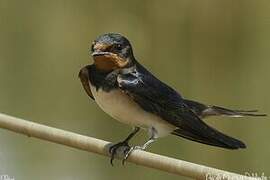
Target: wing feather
[(84, 77), (158, 98)]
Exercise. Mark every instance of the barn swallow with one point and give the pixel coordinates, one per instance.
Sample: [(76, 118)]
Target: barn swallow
[(129, 93)]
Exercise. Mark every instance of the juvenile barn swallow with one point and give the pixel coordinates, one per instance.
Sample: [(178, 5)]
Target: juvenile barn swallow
[(128, 92)]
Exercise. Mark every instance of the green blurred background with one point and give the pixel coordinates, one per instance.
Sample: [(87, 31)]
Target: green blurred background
[(214, 51)]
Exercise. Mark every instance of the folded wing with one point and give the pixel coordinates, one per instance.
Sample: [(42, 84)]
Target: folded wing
[(156, 97)]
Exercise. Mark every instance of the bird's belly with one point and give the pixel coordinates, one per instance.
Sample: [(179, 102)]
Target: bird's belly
[(121, 107)]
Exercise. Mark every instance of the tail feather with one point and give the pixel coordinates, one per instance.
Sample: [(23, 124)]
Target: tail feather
[(219, 139), (216, 110), (254, 110), (193, 128), (204, 111)]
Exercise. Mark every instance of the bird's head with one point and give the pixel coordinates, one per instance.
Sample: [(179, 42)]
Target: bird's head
[(112, 51)]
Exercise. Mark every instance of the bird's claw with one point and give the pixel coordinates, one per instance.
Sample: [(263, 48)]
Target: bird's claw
[(114, 149), (129, 151)]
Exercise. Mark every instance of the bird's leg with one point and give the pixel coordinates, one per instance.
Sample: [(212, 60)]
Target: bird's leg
[(113, 149), (143, 147)]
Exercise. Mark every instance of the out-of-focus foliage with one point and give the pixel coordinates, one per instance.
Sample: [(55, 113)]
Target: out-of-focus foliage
[(213, 51)]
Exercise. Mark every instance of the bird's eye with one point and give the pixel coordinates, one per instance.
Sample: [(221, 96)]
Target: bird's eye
[(118, 46)]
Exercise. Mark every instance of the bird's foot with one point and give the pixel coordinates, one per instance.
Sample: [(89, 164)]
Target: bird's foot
[(122, 147), (129, 151)]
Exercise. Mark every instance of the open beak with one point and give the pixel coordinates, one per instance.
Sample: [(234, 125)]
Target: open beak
[(100, 53)]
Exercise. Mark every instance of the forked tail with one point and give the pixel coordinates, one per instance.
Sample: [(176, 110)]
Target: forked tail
[(204, 111)]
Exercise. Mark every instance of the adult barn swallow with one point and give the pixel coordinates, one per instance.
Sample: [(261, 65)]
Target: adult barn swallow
[(128, 92)]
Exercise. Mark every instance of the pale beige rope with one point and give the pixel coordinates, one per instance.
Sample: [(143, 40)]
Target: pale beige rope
[(98, 146)]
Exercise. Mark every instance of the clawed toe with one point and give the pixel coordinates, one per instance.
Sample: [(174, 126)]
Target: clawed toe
[(129, 151), (126, 150), (113, 150)]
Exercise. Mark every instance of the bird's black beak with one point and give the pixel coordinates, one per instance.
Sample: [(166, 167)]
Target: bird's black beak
[(100, 53)]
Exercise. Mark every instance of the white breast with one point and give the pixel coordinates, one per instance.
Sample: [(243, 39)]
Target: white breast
[(118, 105)]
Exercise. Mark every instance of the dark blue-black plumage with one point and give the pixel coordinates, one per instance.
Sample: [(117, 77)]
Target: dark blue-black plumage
[(154, 96), (158, 98)]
